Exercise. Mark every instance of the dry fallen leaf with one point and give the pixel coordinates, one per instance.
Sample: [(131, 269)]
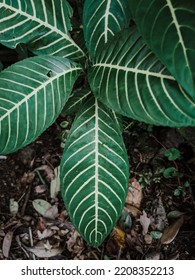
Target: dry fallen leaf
[(41, 250), (171, 232), (116, 242), (45, 234), (51, 213), (48, 170), (7, 243), (145, 222), (160, 215), (55, 183), (41, 206), (134, 195), (75, 243), (40, 188), (132, 210)]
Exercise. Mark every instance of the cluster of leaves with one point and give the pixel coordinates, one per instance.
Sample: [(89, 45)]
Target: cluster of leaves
[(143, 70)]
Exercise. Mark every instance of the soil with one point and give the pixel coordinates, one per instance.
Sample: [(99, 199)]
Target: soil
[(166, 201)]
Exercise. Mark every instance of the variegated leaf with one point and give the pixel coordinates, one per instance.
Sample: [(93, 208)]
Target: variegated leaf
[(102, 19), (94, 172), (42, 24), (131, 80), (76, 100), (168, 26), (32, 94)]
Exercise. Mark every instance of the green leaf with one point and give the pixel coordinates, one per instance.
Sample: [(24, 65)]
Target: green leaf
[(32, 95), (75, 100), (102, 19), (43, 25), (170, 172), (172, 154), (94, 172), (168, 26), (131, 80)]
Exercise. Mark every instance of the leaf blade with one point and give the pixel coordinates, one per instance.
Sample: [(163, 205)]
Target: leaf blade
[(94, 172), (32, 94), (131, 80), (102, 20), (43, 25), (169, 28)]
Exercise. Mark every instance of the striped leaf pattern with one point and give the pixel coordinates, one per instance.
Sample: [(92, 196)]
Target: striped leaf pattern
[(42, 24), (76, 100), (130, 79), (102, 19), (168, 26), (94, 172), (32, 94)]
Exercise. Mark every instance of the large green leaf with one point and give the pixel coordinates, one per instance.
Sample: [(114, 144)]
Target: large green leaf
[(94, 172), (130, 79), (32, 94), (102, 19), (42, 24), (168, 26)]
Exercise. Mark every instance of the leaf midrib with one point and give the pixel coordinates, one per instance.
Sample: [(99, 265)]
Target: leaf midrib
[(134, 70)]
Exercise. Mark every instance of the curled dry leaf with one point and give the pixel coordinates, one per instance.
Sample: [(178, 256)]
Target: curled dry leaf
[(134, 195), (145, 222), (7, 243), (171, 232), (55, 183)]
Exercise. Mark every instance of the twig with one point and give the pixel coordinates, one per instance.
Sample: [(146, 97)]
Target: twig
[(26, 200)]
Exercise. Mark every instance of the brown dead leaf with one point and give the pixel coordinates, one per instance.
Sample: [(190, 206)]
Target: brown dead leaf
[(7, 243), (132, 210), (119, 236), (134, 195), (171, 232), (44, 250), (145, 222)]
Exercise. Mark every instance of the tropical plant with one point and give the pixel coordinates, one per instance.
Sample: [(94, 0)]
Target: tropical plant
[(143, 69)]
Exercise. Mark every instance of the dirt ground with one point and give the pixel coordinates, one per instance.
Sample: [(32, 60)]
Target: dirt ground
[(158, 221)]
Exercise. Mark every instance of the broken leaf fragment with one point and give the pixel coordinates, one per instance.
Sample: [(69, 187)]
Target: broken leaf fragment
[(145, 222), (134, 195)]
